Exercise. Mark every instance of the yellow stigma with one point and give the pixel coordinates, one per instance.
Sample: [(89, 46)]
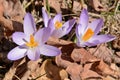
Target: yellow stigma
[(89, 33), (32, 42), (58, 24)]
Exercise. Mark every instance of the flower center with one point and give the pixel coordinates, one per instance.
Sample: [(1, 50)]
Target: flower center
[(32, 42), (58, 24), (89, 33)]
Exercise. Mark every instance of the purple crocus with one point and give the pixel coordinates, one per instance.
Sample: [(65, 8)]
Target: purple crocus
[(87, 33), (58, 29), (32, 42)]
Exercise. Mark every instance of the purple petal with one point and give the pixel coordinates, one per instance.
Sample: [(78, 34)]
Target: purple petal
[(98, 39), (45, 17), (29, 24), (68, 25), (78, 30), (18, 38), (33, 54), (39, 34), (48, 31), (96, 25), (57, 33), (17, 53), (84, 19), (58, 17), (65, 29), (43, 34), (49, 50), (80, 43)]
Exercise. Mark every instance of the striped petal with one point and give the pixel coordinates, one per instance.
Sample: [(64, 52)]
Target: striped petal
[(98, 39), (18, 38), (29, 24), (96, 25), (33, 54), (65, 29), (84, 20), (58, 17), (45, 17), (49, 50), (17, 53)]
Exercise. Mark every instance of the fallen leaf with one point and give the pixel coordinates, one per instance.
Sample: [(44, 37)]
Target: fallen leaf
[(90, 74), (104, 69), (62, 62), (109, 78), (82, 56), (49, 71), (97, 5), (102, 52), (116, 43), (74, 70)]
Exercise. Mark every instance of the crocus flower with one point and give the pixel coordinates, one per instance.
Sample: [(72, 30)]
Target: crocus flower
[(87, 33), (58, 29), (32, 42)]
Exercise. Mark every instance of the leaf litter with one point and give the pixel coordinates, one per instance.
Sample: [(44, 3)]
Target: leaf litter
[(95, 63)]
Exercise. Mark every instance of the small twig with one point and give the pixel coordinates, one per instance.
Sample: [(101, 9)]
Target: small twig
[(17, 77), (39, 76), (28, 4), (93, 14), (97, 49), (118, 3)]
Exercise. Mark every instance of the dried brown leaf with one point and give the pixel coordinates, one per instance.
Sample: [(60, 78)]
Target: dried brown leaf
[(102, 52), (83, 56), (10, 74), (55, 4), (74, 70), (97, 5), (50, 71), (116, 43), (11, 16), (104, 69), (89, 74)]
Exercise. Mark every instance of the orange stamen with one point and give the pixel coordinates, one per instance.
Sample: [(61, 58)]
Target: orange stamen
[(32, 42), (89, 33), (58, 24)]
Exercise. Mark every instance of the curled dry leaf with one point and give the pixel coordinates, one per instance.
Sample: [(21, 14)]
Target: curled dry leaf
[(11, 16), (22, 69), (61, 62), (82, 56), (49, 71), (10, 74), (55, 4), (13, 10), (90, 74), (74, 70), (104, 69), (102, 52), (116, 43), (97, 5)]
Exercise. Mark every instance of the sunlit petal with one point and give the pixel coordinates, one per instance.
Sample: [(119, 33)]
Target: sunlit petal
[(49, 50), (58, 17), (43, 34), (29, 24), (18, 38), (98, 39), (45, 17), (65, 29), (96, 25), (17, 53), (84, 20), (33, 54)]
